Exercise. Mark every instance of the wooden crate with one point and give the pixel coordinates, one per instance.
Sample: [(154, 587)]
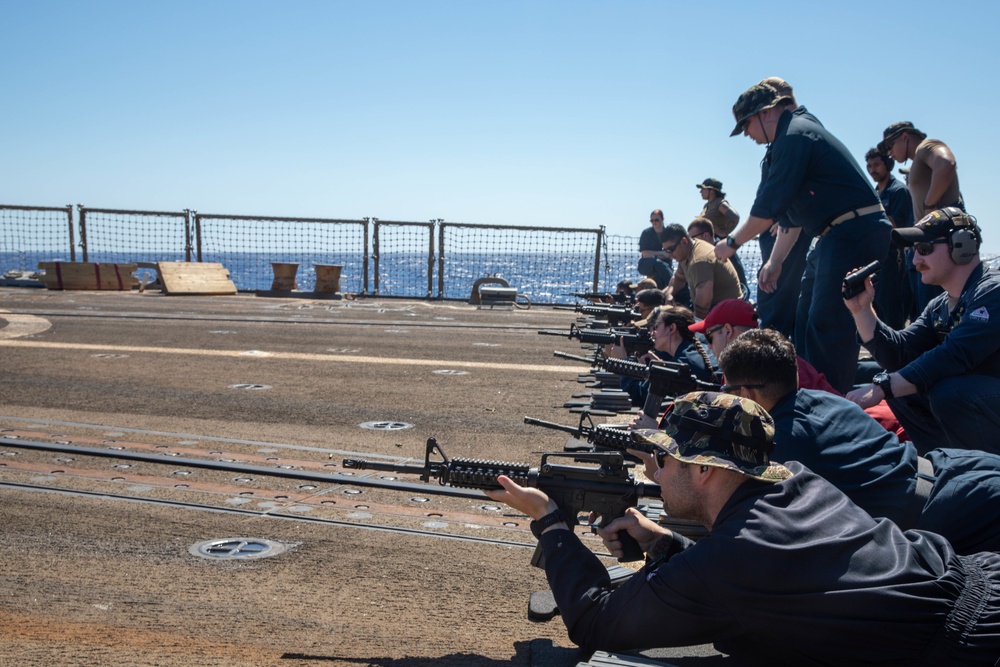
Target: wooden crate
[(195, 278), (87, 276)]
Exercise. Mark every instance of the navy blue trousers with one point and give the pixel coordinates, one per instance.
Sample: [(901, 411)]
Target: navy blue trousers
[(825, 334), (962, 411), (777, 309)]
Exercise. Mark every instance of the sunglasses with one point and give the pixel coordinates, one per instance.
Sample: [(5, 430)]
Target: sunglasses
[(925, 248), (711, 332), (660, 455), (671, 248)]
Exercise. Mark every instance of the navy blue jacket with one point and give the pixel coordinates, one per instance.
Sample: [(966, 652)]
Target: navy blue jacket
[(837, 440), (790, 573), (897, 202), (810, 175), (942, 344)]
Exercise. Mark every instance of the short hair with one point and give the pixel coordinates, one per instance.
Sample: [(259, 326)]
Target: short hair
[(702, 225), (762, 356), (656, 211), (651, 297), (672, 232), (876, 153)]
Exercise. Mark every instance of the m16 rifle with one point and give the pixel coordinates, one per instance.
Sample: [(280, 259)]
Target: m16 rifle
[(666, 379), (604, 297), (615, 316), (854, 282), (636, 342), (606, 490), (602, 437)]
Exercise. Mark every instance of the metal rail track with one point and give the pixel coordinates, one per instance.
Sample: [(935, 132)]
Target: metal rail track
[(264, 514)]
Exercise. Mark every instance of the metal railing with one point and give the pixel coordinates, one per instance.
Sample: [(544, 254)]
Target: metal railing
[(379, 257)]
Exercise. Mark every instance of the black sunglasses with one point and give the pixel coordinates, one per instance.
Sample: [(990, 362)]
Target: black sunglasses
[(660, 455), (925, 248), (711, 332), (671, 248)]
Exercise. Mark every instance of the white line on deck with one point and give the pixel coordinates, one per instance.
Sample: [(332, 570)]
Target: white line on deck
[(297, 356)]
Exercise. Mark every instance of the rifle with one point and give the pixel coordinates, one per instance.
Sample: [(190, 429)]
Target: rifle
[(576, 357), (614, 315), (636, 342), (666, 378), (626, 367), (607, 490), (671, 378), (617, 297), (854, 282), (604, 437)]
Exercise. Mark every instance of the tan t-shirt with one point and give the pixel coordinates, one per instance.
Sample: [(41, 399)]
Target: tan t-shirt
[(703, 265), (724, 223), (919, 180)]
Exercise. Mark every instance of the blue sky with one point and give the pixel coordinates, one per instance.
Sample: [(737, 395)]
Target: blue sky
[(564, 114)]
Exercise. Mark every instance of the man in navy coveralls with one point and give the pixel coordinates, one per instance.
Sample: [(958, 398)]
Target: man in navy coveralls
[(791, 571), (943, 379), (813, 179)]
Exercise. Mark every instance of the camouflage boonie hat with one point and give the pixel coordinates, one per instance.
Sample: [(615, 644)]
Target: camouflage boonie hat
[(896, 129), (711, 184), (719, 430), (752, 101)]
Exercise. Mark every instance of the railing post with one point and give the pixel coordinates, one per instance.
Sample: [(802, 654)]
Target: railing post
[(430, 258), (597, 259), (72, 238), (364, 258), (83, 230), (375, 252), (187, 235), (440, 258)]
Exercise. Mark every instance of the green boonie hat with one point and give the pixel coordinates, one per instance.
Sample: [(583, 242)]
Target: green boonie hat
[(711, 184), (896, 129), (755, 99), (719, 430)]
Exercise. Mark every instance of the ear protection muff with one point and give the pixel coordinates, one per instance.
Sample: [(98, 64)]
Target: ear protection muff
[(965, 237)]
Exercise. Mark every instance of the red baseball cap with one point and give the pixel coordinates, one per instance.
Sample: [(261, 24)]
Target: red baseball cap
[(735, 312)]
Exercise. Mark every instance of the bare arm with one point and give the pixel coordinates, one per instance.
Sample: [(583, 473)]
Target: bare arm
[(942, 163), (750, 229), (702, 298)]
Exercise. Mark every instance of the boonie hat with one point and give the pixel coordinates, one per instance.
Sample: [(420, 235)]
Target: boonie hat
[(896, 129), (645, 283), (752, 101), (719, 430), (779, 84), (935, 225), (711, 184), (736, 312)]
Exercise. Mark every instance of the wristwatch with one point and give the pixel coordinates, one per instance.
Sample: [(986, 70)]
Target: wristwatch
[(550, 519), (884, 383), (731, 242)]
